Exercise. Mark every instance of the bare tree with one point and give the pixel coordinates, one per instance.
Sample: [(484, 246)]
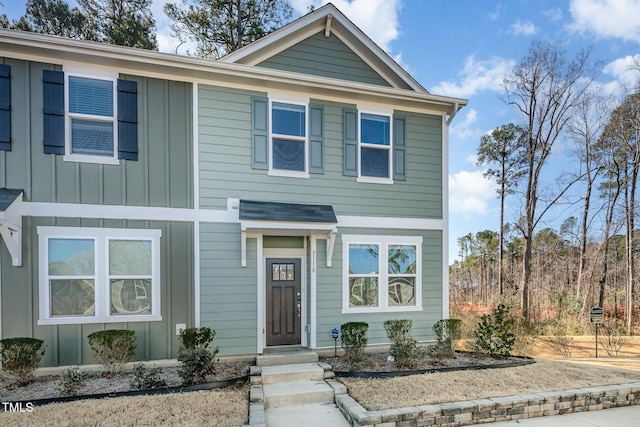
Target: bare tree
[(545, 89)]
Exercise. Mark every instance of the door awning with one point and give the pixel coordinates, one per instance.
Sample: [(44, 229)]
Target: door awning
[(11, 223), (287, 219)]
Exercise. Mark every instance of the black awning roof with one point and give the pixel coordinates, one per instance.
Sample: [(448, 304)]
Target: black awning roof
[(8, 196), (286, 212)]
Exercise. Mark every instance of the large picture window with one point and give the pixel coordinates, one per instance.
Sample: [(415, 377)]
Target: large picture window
[(382, 273), (90, 275)]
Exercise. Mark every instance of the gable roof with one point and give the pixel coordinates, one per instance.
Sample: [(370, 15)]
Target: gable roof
[(290, 212), (330, 20)]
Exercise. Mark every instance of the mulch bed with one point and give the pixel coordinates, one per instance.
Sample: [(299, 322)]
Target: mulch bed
[(45, 389), (380, 365)]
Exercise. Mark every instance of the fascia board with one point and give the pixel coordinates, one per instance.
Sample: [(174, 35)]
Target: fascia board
[(52, 49)]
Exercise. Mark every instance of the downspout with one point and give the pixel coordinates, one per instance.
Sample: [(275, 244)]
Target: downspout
[(445, 211), (453, 113)]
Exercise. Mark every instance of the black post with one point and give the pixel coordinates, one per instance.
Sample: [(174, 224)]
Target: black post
[(597, 340)]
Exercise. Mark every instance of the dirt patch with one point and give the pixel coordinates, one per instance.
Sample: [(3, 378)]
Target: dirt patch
[(224, 408)]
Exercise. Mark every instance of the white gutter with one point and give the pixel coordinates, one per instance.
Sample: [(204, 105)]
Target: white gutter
[(453, 113)]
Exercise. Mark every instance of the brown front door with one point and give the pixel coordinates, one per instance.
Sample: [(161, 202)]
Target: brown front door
[(283, 301)]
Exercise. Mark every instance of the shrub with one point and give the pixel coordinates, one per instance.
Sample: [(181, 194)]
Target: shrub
[(404, 348), (613, 336), (197, 361), (112, 348), (144, 378), (21, 357), (447, 332), (71, 380), (493, 335), (353, 339)]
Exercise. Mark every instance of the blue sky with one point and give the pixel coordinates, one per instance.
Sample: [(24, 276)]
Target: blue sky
[(464, 48)]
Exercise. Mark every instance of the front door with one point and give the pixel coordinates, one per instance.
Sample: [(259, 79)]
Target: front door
[(284, 309)]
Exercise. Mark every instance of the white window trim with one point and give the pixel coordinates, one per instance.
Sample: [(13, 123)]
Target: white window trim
[(90, 74), (303, 102), (102, 289), (383, 282), (372, 179)]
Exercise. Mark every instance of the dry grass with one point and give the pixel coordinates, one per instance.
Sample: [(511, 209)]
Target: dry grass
[(416, 390), (226, 407)]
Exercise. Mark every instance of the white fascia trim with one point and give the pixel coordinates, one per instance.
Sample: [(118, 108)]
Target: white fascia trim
[(196, 203), (77, 210), (388, 222), (313, 323)]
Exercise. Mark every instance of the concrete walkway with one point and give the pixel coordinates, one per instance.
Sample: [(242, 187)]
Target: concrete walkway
[(616, 417)]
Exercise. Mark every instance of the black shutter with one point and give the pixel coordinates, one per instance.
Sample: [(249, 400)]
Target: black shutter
[(127, 119), (316, 139), (5, 107), (53, 110), (399, 149), (259, 133), (350, 142)]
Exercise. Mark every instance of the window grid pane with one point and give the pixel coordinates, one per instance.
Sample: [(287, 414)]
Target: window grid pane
[(90, 96), (288, 119), (375, 129), (374, 162), (288, 155), (71, 257), (91, 137), (363, 292), (130, 296), (72, 297)]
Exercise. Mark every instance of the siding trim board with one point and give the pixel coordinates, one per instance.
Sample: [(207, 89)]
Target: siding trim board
[(5, 107)]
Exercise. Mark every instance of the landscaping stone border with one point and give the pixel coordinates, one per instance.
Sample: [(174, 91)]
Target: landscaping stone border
[(148, 392), (493, 409)]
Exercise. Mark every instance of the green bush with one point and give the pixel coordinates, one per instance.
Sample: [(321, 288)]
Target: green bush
[(493, 335), (447, 332), (21, 357), (197, 361), (112, 348), (71, 380), (144, 379), (353, 339), (404, 348)]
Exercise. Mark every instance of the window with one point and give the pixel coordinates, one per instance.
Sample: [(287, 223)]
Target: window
[(288, 137), (90, 117), (375, 145), (95, 275), (382, 273)]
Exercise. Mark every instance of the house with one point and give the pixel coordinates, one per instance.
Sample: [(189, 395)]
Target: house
[(294, 185)]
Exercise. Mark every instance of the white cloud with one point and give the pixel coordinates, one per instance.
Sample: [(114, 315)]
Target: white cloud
[(493, 16), (625, 70), (477, 76), (378, 19), (523, 28), (554, 14), (606, 18), (470, 192)]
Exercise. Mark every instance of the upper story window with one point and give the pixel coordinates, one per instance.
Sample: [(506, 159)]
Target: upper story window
[(288, 137), (90, 117), (375, 145), (374, 149)]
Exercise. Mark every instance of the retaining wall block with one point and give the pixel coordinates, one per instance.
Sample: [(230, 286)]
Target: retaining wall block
[(390, 415), (409, 423), (430, 411), (409, 413)]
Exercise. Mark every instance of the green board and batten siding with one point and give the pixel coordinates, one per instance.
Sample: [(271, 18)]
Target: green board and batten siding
[(325, 57), (162, 177), (225, 163)]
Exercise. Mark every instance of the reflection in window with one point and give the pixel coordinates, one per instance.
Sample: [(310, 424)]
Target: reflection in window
[(280, 272)]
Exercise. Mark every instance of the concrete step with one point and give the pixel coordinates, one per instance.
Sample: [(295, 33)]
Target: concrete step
[(313, 415), (296, 393), (289, 373), (287, 359)]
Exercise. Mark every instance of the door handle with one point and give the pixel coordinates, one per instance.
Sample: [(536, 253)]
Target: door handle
[(299, 305)]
